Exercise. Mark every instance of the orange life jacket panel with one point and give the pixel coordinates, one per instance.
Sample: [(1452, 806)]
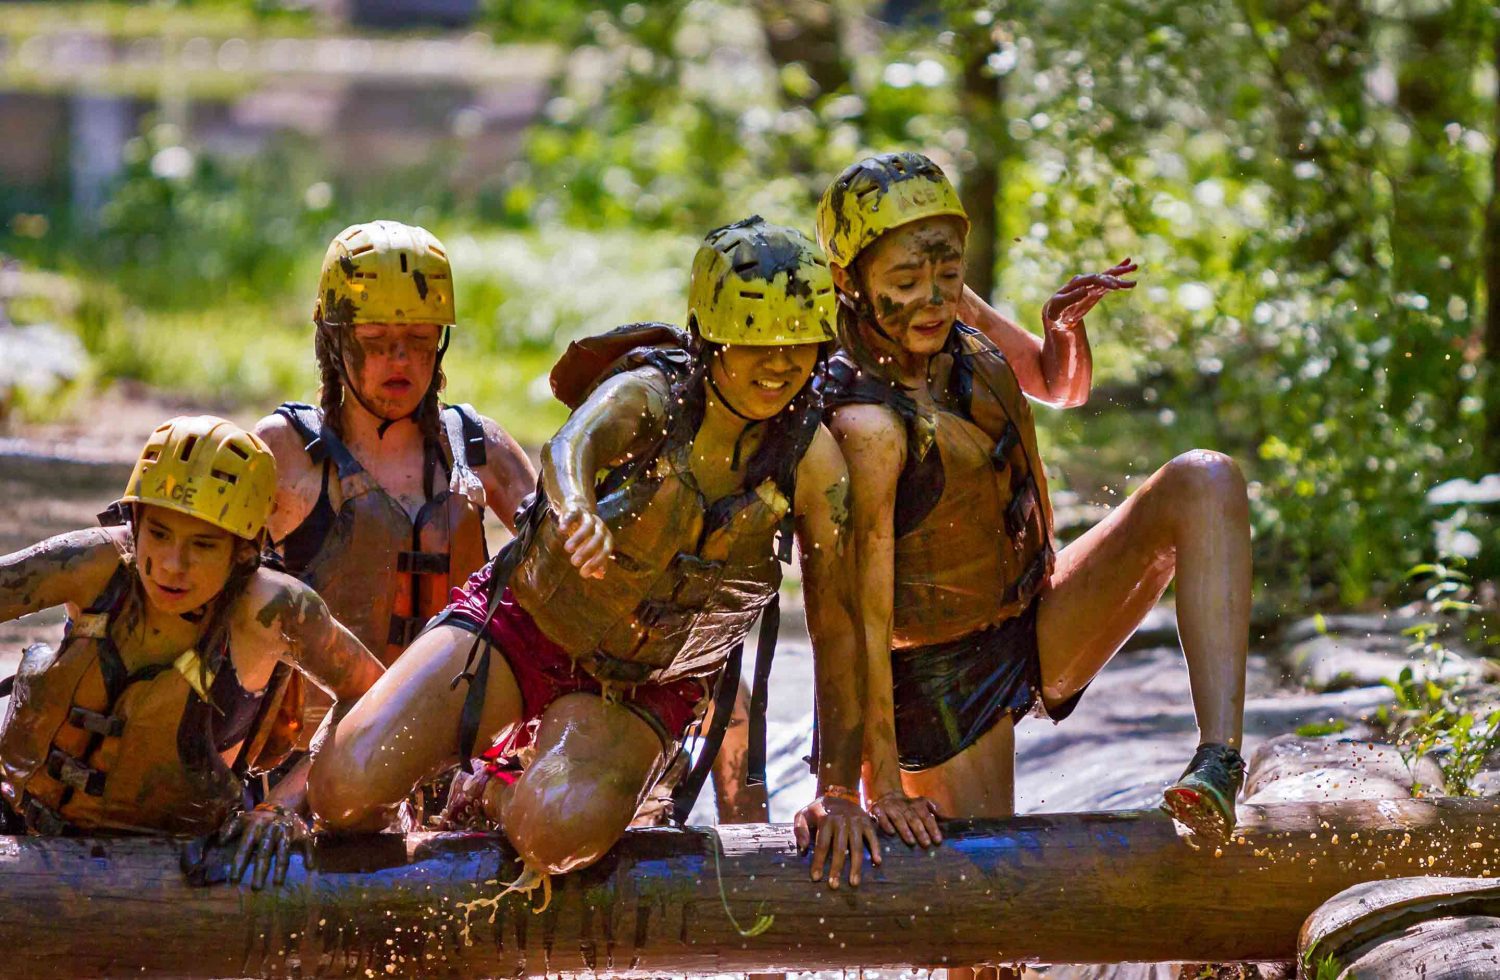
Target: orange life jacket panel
[(383, 574)]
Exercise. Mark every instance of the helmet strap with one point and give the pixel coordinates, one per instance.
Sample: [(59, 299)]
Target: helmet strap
[(739, 440)]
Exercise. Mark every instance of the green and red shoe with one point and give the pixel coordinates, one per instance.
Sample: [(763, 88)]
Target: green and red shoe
[(1203, 799)]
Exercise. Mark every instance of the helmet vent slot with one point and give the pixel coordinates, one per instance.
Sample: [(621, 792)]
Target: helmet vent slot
[(438, 252), (187, 448), (750, 295), (151, 455), (242, 454), (366, 247), (224, 475), (403, 261), (745, 267)]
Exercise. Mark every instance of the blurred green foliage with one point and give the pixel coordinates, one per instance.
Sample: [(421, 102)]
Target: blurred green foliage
[(1302, 181)]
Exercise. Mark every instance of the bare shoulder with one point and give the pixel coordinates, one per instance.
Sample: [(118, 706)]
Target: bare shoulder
[(645, 386), (278, 602), (500, 446), (285, 444), (823, 463), (869, 436)]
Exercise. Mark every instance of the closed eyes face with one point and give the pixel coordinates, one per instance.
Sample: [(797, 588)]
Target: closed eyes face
[(915, 278), (760, 382), (183, 562), (392, 365)]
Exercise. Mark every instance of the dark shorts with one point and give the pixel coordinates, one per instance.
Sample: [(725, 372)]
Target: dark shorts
[(949, 694), (544, 672)]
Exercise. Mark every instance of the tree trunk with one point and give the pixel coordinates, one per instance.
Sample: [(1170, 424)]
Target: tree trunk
[(1492, 277), (981, 102), (1102, 887)]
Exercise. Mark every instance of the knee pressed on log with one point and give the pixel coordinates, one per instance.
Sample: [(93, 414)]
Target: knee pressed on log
[(338, 797), (562, 820)]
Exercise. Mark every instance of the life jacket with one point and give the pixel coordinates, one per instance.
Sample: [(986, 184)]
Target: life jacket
[(89, 746), (688, 577), (973, 520), (383, 574)]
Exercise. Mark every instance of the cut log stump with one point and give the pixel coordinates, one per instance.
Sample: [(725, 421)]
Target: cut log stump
[(1078, 888)]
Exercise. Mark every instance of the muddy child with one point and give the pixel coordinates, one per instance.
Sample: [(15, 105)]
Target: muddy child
[(971, 620), (174, 681), (590, 644)]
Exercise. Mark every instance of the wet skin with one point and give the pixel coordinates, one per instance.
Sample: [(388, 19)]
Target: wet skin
[(392, 366), (1189, 522), (274, 619), (595, 760)]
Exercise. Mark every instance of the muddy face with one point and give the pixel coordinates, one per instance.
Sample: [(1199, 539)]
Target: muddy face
[(183, 562), (759, 382), (391, 365), (915, 277)]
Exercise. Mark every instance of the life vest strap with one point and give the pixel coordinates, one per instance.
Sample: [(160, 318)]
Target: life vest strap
[(404, 629), (96, 723), (422, 562)]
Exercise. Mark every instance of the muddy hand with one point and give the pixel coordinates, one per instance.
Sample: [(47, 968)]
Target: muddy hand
[(267, 834), (839, 831), (913, 818), (465, 809), (1070, 304), (588, 542)]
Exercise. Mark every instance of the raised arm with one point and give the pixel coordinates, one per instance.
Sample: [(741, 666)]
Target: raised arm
[(507, 473), (822, 521), (623, 416), (1057, 368), (873, 441), (68, 569)]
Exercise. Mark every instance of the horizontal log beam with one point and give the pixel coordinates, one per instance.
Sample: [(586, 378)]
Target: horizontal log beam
[(1104, 887)]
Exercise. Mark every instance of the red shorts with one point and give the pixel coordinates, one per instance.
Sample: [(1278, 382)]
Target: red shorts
[(544, 672)]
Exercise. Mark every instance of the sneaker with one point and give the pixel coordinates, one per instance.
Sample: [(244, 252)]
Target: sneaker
[(1203, 799)]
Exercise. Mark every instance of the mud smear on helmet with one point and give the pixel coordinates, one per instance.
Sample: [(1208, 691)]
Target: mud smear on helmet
[(338, 309), (421, 282), (347, 265), (874, 176), (935, 244)]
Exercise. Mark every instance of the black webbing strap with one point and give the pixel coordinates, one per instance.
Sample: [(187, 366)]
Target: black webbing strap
[(477, 663), (469, 436), (320, 442), (727, 688), (7, 685), (765, 652)]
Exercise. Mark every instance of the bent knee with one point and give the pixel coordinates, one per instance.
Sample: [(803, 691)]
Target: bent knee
[(569, 820), (1205, 473), (338, 797)]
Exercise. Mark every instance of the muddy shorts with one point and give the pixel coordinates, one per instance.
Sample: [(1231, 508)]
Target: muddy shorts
[(544, 672), (949, 694)]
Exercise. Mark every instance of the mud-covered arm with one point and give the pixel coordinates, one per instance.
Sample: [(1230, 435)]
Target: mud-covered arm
[(822, 522), (71, 567), (625, 415), (507, 473), (873, 442), (1056, 369)]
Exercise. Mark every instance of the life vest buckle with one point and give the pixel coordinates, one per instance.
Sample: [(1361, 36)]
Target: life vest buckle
[(404, 629), (42, 818), (70, 772), (697, 580), (1022, 507), (1000, 455), (93, 721)]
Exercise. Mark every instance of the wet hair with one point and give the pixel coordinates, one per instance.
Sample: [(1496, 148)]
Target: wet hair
[(851, 314), (326, 347)]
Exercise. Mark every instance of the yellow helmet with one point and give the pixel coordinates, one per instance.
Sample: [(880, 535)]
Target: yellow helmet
[(880, 193), (761, 284), (385, 272), (207, 468)]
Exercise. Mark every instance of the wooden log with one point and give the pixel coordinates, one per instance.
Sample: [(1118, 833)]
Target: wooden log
[(1103, 887), (1390, 930)]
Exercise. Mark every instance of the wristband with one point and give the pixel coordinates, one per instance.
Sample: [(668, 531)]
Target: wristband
[(842, 793), (276, 808)]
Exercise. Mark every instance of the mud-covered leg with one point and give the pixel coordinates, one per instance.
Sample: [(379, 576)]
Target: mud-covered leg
[(594, 760), (1189, 521), (738, 802), (404, 731)]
